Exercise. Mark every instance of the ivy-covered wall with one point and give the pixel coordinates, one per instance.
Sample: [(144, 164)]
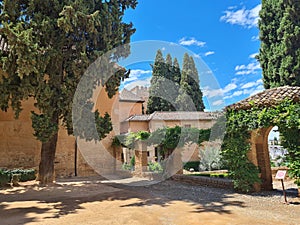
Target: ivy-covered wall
[(240, 122)]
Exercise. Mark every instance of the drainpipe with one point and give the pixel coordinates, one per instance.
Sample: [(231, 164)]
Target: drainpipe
[(75, 158)]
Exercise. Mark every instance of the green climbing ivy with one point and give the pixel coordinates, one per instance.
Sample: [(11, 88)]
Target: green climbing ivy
[(285, 115), (166, 138)]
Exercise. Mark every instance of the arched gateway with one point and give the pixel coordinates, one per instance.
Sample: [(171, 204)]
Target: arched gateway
[(263, 102)]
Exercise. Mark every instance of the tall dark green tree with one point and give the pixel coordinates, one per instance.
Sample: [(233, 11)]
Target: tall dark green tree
[(51, 44), (158, 93), (190, 95), (169, 67), (279, 54), (176, 72)]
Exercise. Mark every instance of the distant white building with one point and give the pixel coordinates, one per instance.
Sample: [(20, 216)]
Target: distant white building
[(276, 152)]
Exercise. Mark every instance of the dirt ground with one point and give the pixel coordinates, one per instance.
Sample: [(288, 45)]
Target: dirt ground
[(94, 201)]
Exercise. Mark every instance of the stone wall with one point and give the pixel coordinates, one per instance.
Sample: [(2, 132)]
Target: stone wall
[(205, 181)]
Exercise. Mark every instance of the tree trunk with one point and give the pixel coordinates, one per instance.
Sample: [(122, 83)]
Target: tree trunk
[(46, 167)]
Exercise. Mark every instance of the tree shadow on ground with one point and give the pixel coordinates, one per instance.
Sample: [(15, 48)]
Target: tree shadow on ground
[(203, 199), (67, 198)]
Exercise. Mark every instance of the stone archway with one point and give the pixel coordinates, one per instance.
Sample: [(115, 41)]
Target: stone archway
[(259, 156), (259, 152)]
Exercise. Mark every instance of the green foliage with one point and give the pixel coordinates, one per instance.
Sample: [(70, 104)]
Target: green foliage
[(4, 178), (119, 140), (172, 89), (190, 95), (132, 138), (191, 165), (129, 166), (216, 175), (285, 115), (103, 124), (43, 126), (25, 175), (170, 138), (158, 91), (167, 138), (51, 45), (132, 161), (210, 157), (126, 166), (155, 167), (279, 54)]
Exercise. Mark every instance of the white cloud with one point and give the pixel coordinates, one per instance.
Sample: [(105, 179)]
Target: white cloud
[(258, 89), (244, 17), (250, 88), (138, 77), (191, 41), (145, 83), (255, 38), (230, 87), (197, 56), (252, 56), (209, 53), (210, 93), (235, 94), (251, 68), (218, 102), (137, 73), (252, 84), (249, 85)]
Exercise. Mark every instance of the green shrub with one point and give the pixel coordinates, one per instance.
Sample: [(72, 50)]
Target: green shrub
[(210, 157), (26, 175), (192, 164), (155, 167), (217, 175), (126, 166), (4, 177), (132, 162)]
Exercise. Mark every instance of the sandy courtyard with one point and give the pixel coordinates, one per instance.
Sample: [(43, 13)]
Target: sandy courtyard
[(82, 201)]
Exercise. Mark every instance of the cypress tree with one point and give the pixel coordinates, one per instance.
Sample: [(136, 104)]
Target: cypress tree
[(279, 54), (176, 72), (51, 44), (169, 68), (190, 95), (158, 94)]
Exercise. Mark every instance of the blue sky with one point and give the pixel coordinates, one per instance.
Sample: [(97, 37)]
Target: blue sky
[(223, 34)]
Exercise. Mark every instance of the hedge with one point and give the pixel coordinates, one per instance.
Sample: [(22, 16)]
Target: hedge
[(25, 175)]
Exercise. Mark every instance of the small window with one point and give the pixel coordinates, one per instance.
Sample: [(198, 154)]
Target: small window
[(187, 125), (148, 153)]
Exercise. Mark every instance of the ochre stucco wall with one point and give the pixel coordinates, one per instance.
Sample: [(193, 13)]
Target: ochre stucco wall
[(20, 149), (127, 109), (135, 126)]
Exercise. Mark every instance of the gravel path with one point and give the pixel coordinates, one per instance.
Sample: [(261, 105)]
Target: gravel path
[(93, 201), (264, 205)]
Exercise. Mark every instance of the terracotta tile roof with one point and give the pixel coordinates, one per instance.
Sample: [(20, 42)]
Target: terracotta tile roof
[(138, 118), (269, 97), (178, 115), (182, 115), (128, 96)]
